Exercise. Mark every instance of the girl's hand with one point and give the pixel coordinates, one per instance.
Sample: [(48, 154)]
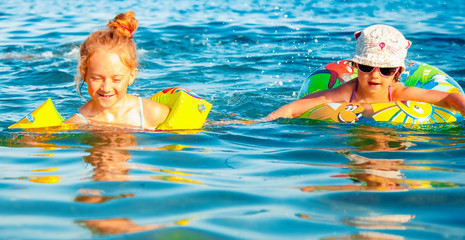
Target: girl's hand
[(283, 112)]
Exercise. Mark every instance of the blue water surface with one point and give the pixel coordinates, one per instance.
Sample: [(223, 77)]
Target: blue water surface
[(285, 179)]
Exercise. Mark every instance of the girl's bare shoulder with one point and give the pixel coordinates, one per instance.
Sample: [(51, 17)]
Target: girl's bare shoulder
[(343, 92), (401, 92), (155, 112), (76, 119)]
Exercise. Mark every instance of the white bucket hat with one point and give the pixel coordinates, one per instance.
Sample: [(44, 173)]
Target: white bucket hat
[(380, 46)]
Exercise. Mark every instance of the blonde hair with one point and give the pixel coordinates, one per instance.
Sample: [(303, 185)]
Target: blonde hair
[(116, 36)]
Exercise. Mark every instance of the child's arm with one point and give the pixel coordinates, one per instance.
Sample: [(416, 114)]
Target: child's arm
[(456, 101), (444, 99), (75, 119), (298, 107), (155, 113)]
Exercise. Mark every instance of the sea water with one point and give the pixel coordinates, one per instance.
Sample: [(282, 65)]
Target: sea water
[(285, 179)]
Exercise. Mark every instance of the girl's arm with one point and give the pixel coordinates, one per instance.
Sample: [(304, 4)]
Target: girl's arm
[(75, 119), (298, 107), (154, 113), (457, 102), (444, 99)]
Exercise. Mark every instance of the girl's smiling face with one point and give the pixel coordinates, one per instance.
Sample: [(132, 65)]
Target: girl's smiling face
[(108, 78)]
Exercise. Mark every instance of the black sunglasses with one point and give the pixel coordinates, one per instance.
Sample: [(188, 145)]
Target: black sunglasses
[(386, 72)]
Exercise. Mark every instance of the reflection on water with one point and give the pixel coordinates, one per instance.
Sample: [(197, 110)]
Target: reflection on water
[(110, 152), (374, 139), (34, 139), (41, 179), (122, 225), (368, 174), (109, 155), (96, 196), (373, 174), (368, 138), (367, 236), (379, 222), (383, 222)]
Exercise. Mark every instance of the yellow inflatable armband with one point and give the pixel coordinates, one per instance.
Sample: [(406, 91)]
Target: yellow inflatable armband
[(44, 116), (188, 111)]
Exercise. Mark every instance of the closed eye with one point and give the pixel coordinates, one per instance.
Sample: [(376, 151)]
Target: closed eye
[(118, 78), (95, 78)]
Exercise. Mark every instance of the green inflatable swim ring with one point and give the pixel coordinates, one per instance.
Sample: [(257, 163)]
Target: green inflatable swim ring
[(416, 74)]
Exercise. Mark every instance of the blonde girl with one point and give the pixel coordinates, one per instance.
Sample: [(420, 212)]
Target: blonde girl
[(108, 65)]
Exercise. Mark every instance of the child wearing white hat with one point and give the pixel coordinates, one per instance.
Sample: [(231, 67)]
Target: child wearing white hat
[(379, 57)]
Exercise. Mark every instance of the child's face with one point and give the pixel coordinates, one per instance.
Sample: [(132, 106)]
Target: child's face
[(108, 78), (374, 81)]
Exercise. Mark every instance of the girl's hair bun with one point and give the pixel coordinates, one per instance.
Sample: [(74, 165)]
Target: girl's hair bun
[(125, 24)]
